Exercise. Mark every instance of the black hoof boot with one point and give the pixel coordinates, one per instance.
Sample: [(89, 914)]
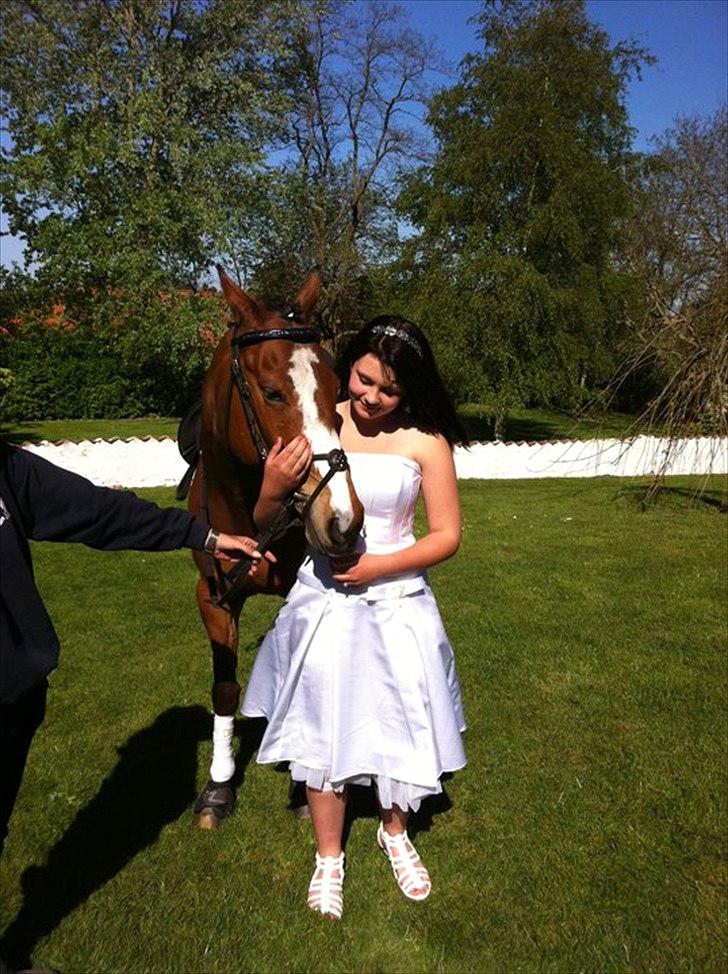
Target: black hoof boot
[(214, 803)]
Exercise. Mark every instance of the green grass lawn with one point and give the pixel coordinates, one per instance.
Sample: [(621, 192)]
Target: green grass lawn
[(88, 429), (535, 425), (588, 832), (539, 425)]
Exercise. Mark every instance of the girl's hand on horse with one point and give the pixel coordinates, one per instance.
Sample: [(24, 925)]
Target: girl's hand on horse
[(286, 467), (363, 571), (233, 547)]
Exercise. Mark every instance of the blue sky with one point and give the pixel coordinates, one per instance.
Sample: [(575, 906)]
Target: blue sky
[(689, 38)]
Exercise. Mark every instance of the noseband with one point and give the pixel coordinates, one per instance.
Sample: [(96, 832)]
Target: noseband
[(297, 505)]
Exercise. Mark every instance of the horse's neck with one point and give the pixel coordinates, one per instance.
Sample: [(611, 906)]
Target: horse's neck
[(231, 490), (232, 478)]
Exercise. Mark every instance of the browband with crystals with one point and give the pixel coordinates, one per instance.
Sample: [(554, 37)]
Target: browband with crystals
[(401, 334)]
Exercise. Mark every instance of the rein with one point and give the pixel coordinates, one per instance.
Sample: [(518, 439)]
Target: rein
[(289, 512)]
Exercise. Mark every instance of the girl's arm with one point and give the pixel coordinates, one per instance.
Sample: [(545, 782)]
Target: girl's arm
[(442, 506), (285, 468)]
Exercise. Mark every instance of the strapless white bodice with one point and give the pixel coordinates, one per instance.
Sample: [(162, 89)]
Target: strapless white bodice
[(388, 485)]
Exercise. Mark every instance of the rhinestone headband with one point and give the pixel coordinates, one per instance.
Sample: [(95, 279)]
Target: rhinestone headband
[(401, 334)]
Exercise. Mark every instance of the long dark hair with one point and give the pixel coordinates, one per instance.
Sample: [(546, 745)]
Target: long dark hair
[(402, 347)]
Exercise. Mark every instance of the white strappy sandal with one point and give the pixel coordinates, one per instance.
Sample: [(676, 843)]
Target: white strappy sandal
[(403, 856), (325, 892)]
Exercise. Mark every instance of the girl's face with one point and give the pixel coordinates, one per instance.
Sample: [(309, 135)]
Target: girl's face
[(373, 388)]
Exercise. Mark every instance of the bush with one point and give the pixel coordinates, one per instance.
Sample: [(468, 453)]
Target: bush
[(106, 356)]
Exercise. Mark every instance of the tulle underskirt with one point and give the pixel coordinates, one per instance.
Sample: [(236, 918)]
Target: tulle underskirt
[(389, 791)]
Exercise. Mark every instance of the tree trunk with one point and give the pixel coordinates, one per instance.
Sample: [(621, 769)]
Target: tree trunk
[(499, 427)]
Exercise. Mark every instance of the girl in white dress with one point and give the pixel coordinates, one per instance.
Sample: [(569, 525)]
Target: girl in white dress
[(357, 678)]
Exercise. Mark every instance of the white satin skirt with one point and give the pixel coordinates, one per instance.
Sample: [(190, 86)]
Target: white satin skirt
[(360, 688)]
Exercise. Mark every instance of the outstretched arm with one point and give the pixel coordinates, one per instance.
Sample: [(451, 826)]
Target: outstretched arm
[(53, 504)]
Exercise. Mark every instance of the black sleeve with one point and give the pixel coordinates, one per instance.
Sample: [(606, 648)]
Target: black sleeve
[(57, 505)]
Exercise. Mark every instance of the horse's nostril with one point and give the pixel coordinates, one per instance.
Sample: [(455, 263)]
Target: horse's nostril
[(335, 533), (343, 539)]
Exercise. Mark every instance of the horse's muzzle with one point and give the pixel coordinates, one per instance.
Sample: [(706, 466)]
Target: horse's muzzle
[(342, 541)]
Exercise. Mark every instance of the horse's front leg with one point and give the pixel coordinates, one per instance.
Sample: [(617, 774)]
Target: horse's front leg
[(217, 799)]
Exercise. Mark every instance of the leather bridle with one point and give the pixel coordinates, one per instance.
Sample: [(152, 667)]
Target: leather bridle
[(297, 505)]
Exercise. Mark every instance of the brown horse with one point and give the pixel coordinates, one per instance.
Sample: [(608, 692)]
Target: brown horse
[(269, 377)]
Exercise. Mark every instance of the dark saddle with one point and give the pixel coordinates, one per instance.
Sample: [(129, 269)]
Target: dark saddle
[(188, 444)]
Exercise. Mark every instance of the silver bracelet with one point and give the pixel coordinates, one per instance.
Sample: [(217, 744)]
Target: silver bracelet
[(211, 541)]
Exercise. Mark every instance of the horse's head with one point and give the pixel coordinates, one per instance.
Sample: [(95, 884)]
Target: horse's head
[(292, 389)]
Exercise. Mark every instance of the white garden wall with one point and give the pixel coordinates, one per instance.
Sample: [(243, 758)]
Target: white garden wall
[(150, 462), (639, 456)]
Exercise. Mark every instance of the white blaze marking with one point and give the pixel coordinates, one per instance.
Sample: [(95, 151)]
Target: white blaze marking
[(322, 439)]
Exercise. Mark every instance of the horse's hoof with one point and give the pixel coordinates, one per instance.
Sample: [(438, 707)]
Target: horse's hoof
[(301, 812), (214, 803), (208, 820)]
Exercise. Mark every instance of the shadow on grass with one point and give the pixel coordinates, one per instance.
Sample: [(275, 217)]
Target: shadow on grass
[(20, 433), (249, 732), (481, 429), (534, 426), (152, 785), (531, 431), (675, 498), (527, 429)]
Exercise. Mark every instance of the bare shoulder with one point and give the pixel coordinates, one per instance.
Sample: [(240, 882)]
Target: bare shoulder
[(429, 449)]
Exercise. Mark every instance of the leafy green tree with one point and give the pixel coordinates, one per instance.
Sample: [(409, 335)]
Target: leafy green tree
[(518, 219), (137, 135), (135, 126)]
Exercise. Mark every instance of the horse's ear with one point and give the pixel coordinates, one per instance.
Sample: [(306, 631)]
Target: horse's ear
[(309, 293), (245, 309)]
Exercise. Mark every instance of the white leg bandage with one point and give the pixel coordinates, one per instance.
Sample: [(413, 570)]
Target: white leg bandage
[(222, 767)]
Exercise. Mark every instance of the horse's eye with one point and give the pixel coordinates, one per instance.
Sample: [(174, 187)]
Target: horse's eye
[(272, 395)]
